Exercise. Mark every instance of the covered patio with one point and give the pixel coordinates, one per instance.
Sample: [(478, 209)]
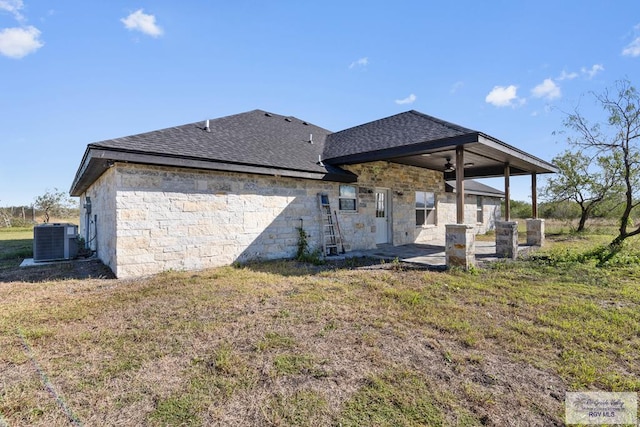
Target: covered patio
[(460, 153)]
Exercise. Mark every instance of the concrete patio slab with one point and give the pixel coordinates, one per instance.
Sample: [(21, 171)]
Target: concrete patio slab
[(430, 255)]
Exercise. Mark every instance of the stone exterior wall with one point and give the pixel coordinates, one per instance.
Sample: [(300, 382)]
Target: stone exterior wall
[(151, 219), (102, 220), (447, 212), (182, 219)]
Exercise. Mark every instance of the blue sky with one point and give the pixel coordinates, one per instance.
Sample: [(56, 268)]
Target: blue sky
[(76, 72)]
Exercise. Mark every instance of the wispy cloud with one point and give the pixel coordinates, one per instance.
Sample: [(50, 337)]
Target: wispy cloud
[(633, 48), (145, 23), (567, 76), (19, 42), (548, 89), (362, 62), (591, 72), (13, 7), (504, 96), (456, 86), (408, 100)]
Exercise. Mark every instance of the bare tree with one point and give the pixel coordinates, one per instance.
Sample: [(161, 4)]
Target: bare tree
[(53, 203), (619, 136)]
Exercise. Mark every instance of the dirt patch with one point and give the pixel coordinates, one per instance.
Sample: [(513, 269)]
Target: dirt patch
[(75, 269)]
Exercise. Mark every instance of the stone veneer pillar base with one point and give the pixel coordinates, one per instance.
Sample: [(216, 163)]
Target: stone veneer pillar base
[(535, 232), (460, 248), (507, 239)]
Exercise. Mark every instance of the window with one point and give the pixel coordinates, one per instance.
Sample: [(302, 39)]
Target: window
[(347, 198), (479, 217), (425, 208), (380, 205)]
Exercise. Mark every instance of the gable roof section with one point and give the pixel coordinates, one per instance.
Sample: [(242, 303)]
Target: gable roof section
[(390, 136), (475, 188), (253, 138), (252, 142)]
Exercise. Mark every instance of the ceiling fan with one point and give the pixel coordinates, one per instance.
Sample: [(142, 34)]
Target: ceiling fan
[(450, 167)]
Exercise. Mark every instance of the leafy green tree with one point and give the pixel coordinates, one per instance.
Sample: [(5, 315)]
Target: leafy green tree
[(519, 209), (53, 203), (588, 182), (565, 210), (619, 138)]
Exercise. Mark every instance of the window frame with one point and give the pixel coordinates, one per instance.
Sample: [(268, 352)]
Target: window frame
[(479, 210), (427, 210), (353, 198)]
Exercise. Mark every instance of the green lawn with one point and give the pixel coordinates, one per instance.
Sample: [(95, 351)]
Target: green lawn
[(15, 244), (283, 343)]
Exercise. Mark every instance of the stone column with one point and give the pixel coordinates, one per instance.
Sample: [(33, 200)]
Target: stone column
[(535, 232), (460, 248), (507, 239)]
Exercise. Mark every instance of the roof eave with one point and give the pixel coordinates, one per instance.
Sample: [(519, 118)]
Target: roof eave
[(97, 160)]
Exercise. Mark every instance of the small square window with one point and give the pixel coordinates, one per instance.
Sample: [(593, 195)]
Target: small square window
[(347, 198)]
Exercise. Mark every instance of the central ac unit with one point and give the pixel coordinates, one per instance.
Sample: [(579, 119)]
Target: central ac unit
[(55, 242)]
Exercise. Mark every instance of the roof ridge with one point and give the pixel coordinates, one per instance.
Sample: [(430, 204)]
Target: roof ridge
[(368, 123), (450, 125)]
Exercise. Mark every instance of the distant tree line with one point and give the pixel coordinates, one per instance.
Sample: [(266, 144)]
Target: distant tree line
[(52, 204), (567, 210)]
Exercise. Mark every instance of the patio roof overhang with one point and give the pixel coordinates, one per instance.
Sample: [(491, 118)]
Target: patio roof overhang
[(484, 157), (478, 155)]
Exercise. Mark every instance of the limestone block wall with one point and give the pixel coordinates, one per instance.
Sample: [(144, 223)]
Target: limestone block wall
[(101, 224), (170, 218)]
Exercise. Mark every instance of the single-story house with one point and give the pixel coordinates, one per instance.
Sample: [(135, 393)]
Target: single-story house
[(237, 188)]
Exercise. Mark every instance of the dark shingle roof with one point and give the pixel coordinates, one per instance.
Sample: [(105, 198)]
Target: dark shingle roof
[(400, 130), (253, 138), (474, 187)]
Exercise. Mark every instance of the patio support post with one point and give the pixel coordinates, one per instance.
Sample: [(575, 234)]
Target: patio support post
[(460, 184), (460, 246), (535, 226), (507, 230), (534, 196), (507, 193), (460, 250)]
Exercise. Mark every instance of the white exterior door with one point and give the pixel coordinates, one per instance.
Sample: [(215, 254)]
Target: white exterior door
[(382, 216)]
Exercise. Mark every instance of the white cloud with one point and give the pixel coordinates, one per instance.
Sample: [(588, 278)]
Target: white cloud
[(13, 7), (362, 62), (501, 96), (595, 69), (140, 21), (19, 42), (548, 89), (408, 100), (567, 76)]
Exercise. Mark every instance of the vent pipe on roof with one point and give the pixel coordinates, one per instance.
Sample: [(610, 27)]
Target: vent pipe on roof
[(320, 160), (206, 126), (310, 138)]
